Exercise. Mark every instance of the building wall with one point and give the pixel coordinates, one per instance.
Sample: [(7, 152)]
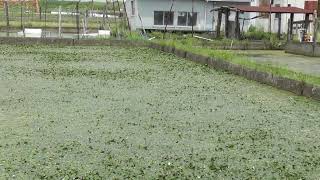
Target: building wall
[(145, 9), (206, 20), (263, 23)]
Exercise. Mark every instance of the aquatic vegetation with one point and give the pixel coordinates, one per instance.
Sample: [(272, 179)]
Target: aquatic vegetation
[(97, 112)]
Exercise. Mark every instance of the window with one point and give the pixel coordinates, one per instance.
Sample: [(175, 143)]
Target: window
[(168, 18), (187, 19), (163, 18), (158, 18), (133, 9), (182, 18), (278, 15), (192, 19)]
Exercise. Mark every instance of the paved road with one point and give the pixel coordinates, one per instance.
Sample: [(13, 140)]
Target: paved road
[(304, 64)]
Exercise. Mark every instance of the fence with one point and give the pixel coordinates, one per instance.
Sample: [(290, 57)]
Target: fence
[(65, 20)]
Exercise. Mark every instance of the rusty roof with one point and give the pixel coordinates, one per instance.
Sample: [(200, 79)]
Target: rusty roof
[(266, 9)]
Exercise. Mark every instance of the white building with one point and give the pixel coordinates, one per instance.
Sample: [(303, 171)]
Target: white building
[(264, 22), (176, 15)]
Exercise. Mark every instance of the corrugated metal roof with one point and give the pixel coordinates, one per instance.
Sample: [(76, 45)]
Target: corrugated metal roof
[(266, 9)]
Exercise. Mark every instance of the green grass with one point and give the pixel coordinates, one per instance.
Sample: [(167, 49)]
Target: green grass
[(241, 59), (86, 112)]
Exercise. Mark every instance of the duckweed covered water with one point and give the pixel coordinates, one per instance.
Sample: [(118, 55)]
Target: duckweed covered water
[(118, 113)]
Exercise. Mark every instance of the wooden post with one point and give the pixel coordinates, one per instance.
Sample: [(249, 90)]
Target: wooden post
[(306, 22), (6, 8), (120, 17), (219, 22), (77, 20), (315, 26), (291, 26), (59, 22), (45, 19), (125, 11), (227, 13), (105, 14), (21, 11), (279, 26), (40, 13), (115, 19), (166, 21), (192, 11), (270, 5), (237, 30)]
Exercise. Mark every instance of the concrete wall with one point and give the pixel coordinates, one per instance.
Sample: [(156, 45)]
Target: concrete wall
[(307, 49)]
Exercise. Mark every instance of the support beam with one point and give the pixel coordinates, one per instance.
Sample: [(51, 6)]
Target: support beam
[(237, 30), (219, 23), (291, 26), (279, 26), (126, 14), (78, 20), (226, 30), (306, 22)]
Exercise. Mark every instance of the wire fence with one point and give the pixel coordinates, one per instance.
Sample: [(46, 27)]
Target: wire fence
[(73, 21)]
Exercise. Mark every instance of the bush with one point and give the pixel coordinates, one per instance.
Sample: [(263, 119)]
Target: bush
[(256, 34)]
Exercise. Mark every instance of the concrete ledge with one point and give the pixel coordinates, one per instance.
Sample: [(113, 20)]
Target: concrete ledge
[(306, 49), (197, 58), (311, 91), (180, 53)]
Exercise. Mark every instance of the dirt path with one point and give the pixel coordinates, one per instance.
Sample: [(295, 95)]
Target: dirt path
[(107, 112)]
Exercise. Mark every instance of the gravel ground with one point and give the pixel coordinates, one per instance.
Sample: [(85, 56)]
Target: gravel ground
[(121, 113)]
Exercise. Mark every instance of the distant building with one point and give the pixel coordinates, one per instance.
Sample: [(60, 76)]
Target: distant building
[(28, 3), (263, 22), (176, 15)]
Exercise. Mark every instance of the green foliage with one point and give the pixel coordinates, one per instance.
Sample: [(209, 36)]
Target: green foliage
[(255, 33), (100, 112)]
